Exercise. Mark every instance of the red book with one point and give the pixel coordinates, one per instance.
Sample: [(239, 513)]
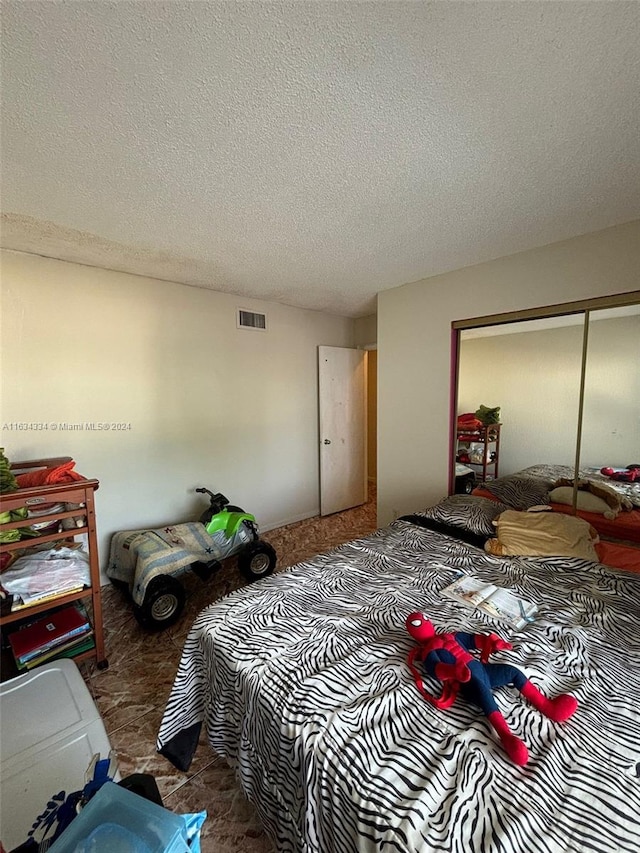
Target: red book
[(50, 631)]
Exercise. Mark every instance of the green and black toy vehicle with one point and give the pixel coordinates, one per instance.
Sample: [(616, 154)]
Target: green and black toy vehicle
[(148, 563)]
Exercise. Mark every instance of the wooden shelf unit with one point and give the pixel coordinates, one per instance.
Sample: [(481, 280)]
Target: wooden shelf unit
[(80, 492), (487, 435)]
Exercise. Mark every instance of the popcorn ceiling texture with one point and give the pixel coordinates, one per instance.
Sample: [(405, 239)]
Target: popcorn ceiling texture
[(315, 153)]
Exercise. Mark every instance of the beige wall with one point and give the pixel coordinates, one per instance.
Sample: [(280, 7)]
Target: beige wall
[(366, 330), (414, 346), (208, 404)]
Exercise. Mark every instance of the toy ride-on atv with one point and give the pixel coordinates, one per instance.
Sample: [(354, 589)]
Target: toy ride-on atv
[(256, 558), (148, 563)]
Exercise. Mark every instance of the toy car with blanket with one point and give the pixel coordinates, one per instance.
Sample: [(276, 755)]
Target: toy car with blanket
[(148, 563)]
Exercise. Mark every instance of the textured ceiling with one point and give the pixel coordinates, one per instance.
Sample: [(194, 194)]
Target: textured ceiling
[(315, 153)]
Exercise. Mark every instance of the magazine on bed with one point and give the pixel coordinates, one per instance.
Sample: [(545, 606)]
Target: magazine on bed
[(494, 600)]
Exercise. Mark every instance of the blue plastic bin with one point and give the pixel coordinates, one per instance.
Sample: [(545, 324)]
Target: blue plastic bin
[(119, 820)]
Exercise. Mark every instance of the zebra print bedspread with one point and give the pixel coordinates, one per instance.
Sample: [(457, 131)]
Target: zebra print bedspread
[(300, 680), (631, 491)]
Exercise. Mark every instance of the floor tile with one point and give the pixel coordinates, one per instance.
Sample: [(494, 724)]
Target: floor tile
[(232, 823), (135, 747), (141, 671)]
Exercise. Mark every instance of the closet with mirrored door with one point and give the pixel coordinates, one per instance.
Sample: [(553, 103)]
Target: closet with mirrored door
[(567, 381)]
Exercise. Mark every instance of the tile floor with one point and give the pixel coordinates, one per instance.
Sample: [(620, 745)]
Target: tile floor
[(131, 694)]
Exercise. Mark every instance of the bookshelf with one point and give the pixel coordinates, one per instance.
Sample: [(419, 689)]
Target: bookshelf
[(81, 495)]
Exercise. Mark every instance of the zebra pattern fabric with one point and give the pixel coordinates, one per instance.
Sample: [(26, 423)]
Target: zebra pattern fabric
[(631, 491), (467, 512), (300, 681), (519, 492)]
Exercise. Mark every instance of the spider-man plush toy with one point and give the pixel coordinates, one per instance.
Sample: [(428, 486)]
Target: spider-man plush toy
[(448, 658)]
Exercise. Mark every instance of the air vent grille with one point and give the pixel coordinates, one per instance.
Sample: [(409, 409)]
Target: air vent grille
[(252, 320)]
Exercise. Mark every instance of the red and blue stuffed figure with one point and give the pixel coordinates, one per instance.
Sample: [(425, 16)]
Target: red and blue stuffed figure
[(447, 657)]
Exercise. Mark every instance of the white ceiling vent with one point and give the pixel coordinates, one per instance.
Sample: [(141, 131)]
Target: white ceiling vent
[(251, 320)]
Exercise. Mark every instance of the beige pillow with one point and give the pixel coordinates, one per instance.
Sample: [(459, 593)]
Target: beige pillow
[(586, 501), (543, 534)]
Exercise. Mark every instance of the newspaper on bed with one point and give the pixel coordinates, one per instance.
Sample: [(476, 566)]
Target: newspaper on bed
[(494, 600)]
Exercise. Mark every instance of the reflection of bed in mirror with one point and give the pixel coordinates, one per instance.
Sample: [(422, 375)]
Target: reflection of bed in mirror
[(624, 527), (568, 384)]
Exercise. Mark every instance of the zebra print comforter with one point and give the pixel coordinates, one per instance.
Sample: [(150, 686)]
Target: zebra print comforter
[(300, 680), (631, 491)]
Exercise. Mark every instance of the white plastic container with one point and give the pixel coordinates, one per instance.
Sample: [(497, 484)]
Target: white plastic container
[(50, 729)]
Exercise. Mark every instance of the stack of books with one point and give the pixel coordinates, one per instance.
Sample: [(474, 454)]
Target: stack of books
[(63, 633)]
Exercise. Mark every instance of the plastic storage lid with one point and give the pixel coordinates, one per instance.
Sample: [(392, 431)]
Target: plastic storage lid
[(151, 827), (50, 729), (112, 836)]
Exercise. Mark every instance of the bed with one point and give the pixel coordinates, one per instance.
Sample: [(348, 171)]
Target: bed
[(625, 527), (301, 682)]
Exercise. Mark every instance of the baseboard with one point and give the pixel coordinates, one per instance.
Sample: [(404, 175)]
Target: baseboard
[(293, 520)]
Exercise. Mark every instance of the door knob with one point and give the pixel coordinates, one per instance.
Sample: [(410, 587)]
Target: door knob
[(327, 441)]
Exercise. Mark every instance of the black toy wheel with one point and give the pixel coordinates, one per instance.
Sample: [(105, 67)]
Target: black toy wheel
[(162, 605), (469, 486), (257, 560)]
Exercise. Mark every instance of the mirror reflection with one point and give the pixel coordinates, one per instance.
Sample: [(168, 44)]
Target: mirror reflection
[(610, 440), (531, 371)]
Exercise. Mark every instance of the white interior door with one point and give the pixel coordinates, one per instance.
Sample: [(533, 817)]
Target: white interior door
[(342, 382)]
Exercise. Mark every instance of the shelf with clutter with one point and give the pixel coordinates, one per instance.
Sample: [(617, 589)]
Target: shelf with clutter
[(49, 569), (478, 442)]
